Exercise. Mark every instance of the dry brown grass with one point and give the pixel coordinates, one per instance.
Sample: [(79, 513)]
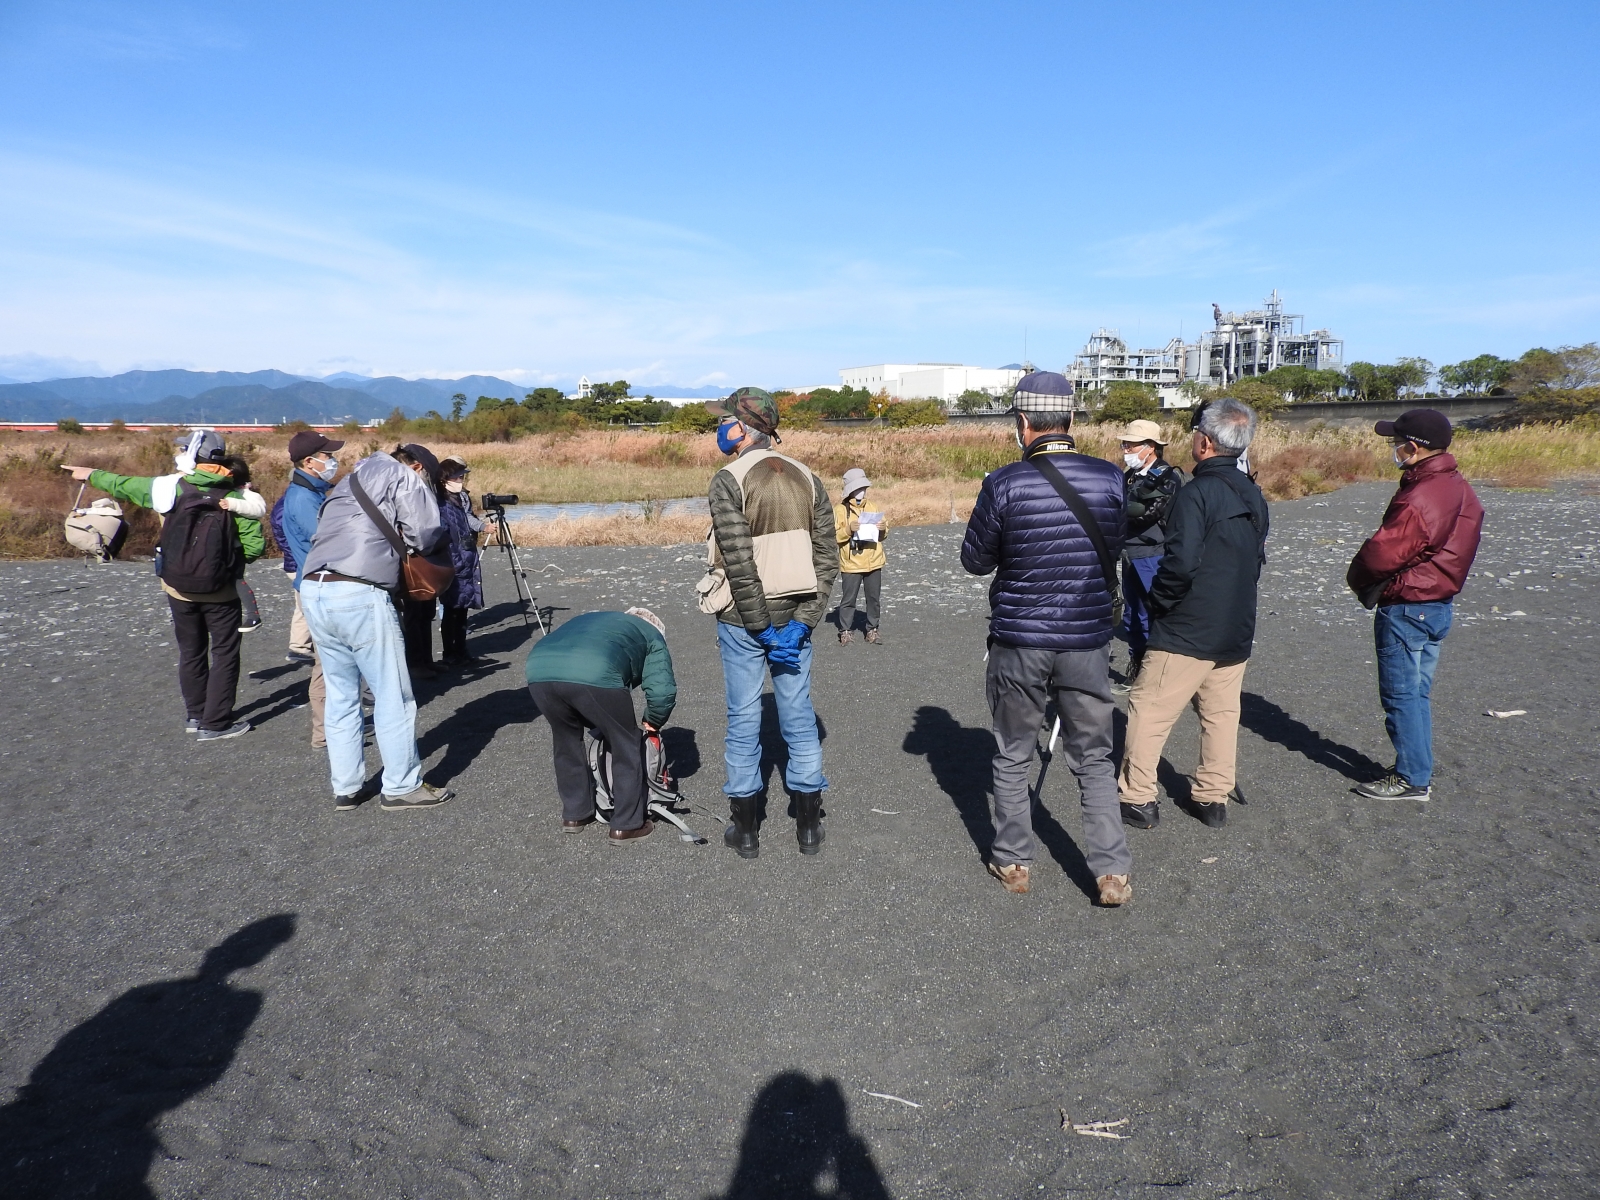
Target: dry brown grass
[(920, 475)]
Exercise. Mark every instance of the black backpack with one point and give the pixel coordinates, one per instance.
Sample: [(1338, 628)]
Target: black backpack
[(199, 547)]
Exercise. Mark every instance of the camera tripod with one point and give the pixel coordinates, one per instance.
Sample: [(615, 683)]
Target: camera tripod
[(519, 574)]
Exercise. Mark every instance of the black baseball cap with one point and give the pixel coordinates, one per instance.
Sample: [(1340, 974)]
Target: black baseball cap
[(424, 458), (308, 442), (1427, 427)]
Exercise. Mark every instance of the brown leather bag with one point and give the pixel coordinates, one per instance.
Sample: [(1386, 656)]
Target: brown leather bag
[(422, 577)]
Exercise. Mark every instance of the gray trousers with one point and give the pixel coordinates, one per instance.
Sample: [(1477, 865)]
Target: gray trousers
[(1020, 683), (852, 583)]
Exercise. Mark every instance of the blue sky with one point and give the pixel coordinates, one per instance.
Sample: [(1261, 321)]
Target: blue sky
[(725, 193)]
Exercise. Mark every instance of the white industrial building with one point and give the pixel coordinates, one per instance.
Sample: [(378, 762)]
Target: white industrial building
[(930, 381)]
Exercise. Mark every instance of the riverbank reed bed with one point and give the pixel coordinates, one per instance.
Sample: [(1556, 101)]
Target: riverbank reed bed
[(921, 476)]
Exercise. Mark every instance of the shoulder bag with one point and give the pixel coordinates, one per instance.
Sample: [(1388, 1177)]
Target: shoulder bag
[(421, 577), (1091, 528)]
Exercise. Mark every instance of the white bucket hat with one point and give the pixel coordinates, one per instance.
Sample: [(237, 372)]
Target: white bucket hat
[(854, 480)]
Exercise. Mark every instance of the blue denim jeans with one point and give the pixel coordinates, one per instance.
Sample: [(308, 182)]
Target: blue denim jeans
[(357, 635), (744, 669), (1408, 637), (1137, 576)]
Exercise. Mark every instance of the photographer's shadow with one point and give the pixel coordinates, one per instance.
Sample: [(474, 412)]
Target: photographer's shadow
[(85, 1122), (798, 1145)]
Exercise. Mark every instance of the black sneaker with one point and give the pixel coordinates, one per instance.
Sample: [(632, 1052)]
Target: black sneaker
[(355, 799), (192, 725), (426, 796), (1142, 816), (1213, 816), (1392, 787), (237, 729)]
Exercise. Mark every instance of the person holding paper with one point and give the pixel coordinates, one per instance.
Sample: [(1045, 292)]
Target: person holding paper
[(860, 533)]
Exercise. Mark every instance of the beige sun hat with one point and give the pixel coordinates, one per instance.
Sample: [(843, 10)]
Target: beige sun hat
[(1142, 431)]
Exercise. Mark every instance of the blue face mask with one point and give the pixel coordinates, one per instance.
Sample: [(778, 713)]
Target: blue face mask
[(728, 436)]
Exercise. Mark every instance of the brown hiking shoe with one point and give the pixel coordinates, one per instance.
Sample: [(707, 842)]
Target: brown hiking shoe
[(846, 637), (1115, 890), (1014, 876), (872, 637)]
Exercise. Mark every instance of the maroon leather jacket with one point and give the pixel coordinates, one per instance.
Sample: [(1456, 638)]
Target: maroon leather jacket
[(1428, 538)]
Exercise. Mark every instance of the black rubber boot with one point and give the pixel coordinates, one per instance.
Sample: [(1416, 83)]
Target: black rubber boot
[(808, 829), (741, 835)]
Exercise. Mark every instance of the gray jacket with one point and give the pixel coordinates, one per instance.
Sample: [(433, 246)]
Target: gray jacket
[(347, 540)]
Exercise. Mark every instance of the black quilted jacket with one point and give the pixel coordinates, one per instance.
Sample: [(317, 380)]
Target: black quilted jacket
[(1049, 590)]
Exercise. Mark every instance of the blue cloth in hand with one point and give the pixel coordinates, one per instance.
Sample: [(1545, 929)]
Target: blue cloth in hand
[(782, 653)]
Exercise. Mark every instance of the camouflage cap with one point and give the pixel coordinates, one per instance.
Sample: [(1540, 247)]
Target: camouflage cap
[(749, 405)]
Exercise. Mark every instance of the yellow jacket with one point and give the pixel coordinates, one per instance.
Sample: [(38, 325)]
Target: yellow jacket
[(857, 558)]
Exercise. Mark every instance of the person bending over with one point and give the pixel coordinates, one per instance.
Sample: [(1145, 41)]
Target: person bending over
[(582, 676)]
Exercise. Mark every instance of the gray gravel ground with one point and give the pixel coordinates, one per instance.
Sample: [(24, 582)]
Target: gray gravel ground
[(1330, 997)]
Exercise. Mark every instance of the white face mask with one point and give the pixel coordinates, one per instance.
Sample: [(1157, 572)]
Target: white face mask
[(1016, 430), (454, 485), (1135, 462), (328, 469)]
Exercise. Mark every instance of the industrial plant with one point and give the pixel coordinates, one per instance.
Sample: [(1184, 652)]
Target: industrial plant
[(1238, 346)]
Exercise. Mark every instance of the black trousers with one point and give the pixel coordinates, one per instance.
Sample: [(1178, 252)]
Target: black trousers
[(850, 584), (416, 625), (453, 632), (572, 708), (208, 659)]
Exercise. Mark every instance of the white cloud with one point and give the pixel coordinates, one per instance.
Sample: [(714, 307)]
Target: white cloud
[(343, 274)]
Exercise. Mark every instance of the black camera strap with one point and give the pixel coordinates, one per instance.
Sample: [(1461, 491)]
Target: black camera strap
[(1080, 509)]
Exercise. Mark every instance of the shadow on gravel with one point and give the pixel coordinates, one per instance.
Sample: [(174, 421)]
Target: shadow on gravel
[(281, 701), (959, 759), (1266, 720), (682, 751), (468, 730), (798, 1145), (85, 1122)]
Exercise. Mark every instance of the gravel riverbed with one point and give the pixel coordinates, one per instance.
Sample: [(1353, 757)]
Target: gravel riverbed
[(1329, 997)]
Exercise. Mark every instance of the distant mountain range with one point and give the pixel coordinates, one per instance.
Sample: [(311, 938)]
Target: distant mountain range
[(236, 397), (225, 397)]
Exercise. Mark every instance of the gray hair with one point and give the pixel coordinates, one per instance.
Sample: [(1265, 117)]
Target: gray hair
[(755, 439), (1230, 424)]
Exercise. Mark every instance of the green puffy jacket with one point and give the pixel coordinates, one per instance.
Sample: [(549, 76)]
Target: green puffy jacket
[(766, 497), (609, 650)]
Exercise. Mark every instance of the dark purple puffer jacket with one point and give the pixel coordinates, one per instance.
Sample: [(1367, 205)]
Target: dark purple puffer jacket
[(1049, 591)]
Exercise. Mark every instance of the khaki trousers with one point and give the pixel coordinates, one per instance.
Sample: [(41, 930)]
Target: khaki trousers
[(299, 631), (319, 702), (1166, 683)]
